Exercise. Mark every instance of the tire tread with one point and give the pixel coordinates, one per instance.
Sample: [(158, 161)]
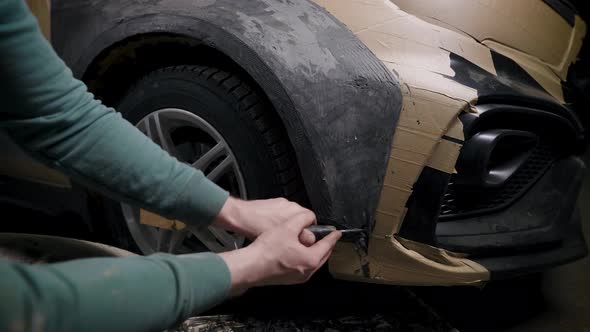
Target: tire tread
[(267, 123)]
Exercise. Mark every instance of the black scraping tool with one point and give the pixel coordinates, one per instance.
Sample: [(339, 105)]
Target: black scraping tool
[(321, 231)]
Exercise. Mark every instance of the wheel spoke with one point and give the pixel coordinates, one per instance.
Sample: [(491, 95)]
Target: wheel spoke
[(205, 160), (170, 241), (215, 160), (176, 241), (157, 131), (228, 240), (142, 126), (162, 239), (204, 235), (220, 169)]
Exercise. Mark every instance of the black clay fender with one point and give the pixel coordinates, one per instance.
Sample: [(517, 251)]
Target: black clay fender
[(338, 102)]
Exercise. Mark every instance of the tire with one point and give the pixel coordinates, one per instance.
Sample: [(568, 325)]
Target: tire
[(237, 111)]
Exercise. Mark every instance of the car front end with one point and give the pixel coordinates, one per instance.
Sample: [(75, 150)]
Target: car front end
[(450, 141), (485, 169)]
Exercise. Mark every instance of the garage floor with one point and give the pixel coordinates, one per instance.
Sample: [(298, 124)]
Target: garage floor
[(557, 301)]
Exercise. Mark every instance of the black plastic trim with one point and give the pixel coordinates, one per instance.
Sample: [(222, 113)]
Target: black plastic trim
[(490, 200), (571, 248), (452, 139), (511, 85), (424, 206), (475, 164), (557, 117), (535, 221), (427, 195)]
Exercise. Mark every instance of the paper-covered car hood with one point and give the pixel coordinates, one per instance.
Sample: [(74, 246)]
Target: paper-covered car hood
[(423, 34), (546, 30)]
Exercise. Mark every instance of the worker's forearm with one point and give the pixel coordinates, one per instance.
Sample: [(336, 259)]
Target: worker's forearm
[(52, 115), (110, 294)]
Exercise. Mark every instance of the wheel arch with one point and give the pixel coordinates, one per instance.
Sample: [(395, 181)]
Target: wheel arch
[(329, 90), (129, 59)]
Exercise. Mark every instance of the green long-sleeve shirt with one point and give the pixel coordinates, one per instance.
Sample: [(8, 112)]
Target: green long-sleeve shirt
[(53, 117)]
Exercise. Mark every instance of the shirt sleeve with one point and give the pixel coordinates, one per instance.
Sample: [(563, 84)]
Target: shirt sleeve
[(52, 116), (110, 294)]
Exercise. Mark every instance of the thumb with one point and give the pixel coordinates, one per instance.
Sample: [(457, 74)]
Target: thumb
[(325, 245), (307, 238)]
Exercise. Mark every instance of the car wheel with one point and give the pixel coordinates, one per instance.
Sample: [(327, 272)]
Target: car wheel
[(217, 122)]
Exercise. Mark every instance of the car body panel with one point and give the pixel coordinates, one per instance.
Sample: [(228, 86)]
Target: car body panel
[(529, 27), (445, 64), (429, 134), (325, 84), (413, 49)]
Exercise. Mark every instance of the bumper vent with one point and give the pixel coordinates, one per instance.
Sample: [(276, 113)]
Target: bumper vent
[(460, 202)]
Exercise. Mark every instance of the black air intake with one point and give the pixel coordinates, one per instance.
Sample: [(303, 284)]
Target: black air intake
[(490, 158), (460, 201)]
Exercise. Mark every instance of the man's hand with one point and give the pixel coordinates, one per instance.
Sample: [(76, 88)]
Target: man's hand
[(277, 257), (252, 218)]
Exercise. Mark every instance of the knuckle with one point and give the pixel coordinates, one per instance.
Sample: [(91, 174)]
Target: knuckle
[(308, 214)]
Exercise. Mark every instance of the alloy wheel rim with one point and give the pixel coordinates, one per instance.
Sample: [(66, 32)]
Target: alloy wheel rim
[(194, 141)]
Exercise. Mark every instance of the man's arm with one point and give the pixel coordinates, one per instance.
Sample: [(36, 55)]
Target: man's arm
[(55, 118), (110, 294), (52, 116), (152, 293)]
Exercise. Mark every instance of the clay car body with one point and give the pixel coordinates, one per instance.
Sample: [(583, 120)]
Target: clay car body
[(444, 129)]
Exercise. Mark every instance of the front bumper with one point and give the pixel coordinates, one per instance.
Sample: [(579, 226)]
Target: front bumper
[(540, 230), (571, 248)]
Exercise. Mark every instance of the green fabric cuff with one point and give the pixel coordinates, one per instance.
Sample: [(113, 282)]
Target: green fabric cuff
[(210, 280), (201, 201)]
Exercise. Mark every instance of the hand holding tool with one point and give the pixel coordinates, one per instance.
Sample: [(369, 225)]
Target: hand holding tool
[(320, 231)]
